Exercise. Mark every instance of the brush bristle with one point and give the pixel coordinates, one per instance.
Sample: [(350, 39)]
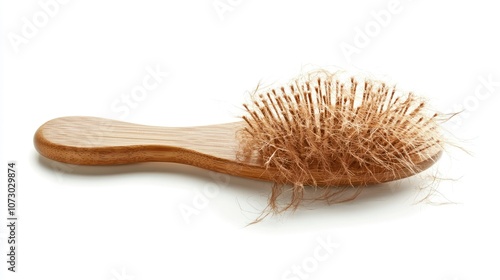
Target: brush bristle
[(339, 125)]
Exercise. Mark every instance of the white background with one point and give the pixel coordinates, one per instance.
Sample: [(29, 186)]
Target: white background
[(126, 222)]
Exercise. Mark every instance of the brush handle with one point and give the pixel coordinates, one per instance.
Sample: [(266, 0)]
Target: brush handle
[(98, 141)]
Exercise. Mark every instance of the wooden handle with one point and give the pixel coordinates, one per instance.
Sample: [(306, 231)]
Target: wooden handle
[(98, 141)]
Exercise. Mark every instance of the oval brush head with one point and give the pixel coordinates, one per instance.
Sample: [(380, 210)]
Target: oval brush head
[(328, 129), (324, 129)]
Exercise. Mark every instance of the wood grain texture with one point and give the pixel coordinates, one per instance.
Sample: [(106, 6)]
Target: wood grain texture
[(98, 141)]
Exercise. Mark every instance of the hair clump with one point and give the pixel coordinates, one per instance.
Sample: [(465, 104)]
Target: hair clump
[(350, 129)]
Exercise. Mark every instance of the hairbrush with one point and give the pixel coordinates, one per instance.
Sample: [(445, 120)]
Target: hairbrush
[(322, 129)]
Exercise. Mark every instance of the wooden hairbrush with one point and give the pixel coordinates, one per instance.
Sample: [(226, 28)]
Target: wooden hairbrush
[(322, 129)]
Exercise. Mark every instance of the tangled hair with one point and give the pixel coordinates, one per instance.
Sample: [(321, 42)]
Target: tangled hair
[(350, 129)]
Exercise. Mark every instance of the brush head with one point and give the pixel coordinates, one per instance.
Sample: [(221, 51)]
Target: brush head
[(335, 129)]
